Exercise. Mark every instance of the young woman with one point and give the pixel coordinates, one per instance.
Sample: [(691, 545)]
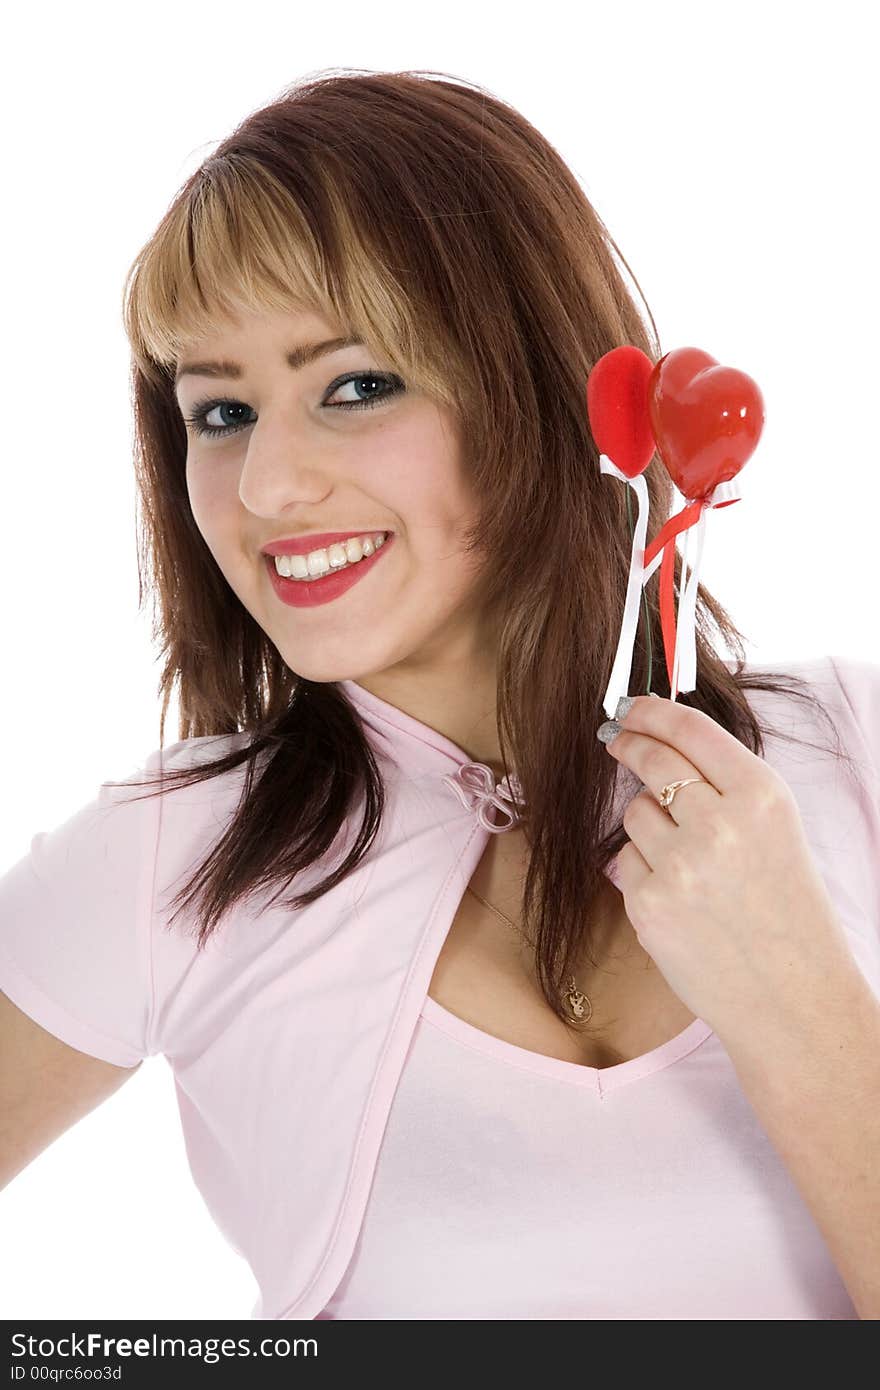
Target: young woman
[(464, 1022)]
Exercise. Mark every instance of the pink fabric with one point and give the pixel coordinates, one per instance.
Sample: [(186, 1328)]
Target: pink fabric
[(372, 1155), (515, 1186)]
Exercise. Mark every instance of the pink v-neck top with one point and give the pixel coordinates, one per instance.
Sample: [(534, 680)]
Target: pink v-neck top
[(371, 1154), (511, 1186)]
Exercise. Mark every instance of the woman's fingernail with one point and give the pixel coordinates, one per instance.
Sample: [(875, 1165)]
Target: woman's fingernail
[(607, 732), (624, 705), (654, 695)]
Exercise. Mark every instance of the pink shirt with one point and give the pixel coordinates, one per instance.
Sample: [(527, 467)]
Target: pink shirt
[(370, 1154)]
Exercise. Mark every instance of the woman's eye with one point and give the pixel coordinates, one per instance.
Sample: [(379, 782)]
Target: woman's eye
[(230, 408)]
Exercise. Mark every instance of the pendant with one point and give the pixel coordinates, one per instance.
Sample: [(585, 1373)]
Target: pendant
[(577, 999)]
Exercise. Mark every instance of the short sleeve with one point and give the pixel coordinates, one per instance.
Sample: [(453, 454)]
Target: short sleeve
[(76, 923)]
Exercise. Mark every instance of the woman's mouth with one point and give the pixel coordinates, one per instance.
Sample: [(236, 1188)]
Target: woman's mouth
[(310, 592)]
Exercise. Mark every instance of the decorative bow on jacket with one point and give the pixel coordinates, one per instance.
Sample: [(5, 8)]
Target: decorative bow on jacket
[(476, 788)]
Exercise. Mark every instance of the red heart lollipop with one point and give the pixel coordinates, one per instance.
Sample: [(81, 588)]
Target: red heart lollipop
[(707, 419), (617, 406)]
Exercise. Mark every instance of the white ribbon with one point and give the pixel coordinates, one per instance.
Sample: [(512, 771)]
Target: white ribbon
[(621, 670), (684, 669)]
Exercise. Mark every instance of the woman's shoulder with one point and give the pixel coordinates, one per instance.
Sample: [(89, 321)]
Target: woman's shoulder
[(178, 759), (845, 688), (823, 723), (195, 752), (828, 669)]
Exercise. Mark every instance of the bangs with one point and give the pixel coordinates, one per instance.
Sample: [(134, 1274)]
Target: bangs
[(236, 240)]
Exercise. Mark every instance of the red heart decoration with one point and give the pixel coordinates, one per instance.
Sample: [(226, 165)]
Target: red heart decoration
[(706, 419), (617, 406)]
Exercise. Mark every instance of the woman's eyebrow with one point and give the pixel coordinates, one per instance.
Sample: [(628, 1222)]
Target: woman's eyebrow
[(297, 357)]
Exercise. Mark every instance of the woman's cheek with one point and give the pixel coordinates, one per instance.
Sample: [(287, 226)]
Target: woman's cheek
[(207, 499)]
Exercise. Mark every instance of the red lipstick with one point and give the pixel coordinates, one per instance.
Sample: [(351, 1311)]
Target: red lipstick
[(310, 593)]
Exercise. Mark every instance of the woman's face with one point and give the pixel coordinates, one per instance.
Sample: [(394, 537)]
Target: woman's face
[(301, 463)]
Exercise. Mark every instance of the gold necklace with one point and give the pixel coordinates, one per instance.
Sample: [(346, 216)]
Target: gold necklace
[(578, 1002)]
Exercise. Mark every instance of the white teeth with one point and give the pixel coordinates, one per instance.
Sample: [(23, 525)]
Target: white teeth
[(334, 557)]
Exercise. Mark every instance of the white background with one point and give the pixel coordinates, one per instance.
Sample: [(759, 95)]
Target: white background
[(731, 150)]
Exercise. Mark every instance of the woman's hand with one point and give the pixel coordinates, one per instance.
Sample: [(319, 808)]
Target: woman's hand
[(721, 889)]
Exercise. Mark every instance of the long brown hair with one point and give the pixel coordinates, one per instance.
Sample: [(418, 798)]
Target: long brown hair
[(432, 219)]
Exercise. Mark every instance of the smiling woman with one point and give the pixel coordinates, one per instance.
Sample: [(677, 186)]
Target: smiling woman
[(270, 259), (292, 455), (397, 290)]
